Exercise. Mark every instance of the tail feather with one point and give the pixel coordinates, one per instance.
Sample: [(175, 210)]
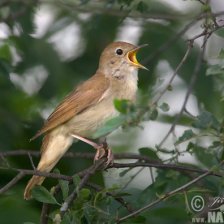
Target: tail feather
[(53, 148), (35, 180)]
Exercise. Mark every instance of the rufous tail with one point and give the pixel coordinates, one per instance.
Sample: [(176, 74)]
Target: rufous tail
[(35, 180), (53, 148)]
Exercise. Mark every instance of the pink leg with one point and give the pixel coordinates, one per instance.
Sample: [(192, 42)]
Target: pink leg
[(102, 149), (89, 142)]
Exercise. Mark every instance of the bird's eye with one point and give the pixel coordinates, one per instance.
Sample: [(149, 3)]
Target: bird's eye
[(119, 51)]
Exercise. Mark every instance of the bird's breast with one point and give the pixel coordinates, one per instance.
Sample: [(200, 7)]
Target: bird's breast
[(126, 86), (87, 122)]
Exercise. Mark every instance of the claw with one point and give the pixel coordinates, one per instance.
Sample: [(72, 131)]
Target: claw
[(104, 151), (110, 158), (100, 153), (101, 150)]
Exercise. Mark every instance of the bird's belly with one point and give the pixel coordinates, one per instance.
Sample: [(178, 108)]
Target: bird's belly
[(89, 121)]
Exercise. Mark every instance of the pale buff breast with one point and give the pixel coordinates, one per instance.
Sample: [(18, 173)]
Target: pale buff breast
[(86, 123)]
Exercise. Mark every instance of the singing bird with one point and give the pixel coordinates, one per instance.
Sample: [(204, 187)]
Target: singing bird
[(88, 107)]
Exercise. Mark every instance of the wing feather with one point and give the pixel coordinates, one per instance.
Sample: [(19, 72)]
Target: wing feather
[(86, 95)]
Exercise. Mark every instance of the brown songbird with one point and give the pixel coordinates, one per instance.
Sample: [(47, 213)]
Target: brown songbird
[(88, 107)]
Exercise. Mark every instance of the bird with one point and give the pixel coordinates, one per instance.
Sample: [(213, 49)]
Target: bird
[(88, 107)]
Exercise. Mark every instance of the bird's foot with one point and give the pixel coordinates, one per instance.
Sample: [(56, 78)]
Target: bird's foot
[(110, 157), (100, 153), (104, 151)]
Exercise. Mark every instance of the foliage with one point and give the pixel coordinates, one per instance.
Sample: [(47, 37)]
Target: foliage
[(35, 74)]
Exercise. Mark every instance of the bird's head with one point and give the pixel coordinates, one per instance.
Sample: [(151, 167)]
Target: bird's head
[(119, 58)]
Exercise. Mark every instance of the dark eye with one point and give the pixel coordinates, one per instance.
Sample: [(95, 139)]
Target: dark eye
[(119, 51)]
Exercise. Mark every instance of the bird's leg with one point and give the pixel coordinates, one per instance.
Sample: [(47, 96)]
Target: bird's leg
[(101, 149), (86, 140), (110, 156)]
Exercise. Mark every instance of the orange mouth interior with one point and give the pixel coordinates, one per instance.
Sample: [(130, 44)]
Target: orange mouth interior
[(132, 57)]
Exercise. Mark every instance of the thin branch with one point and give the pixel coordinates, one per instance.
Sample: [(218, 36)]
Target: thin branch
[(163, 166), (117, 198), (176, 36), (23, 172), (84, 155), (22, 152), (126, 13), (38, 173), (10, 184), (31, 161), (67, 204), (189, 90), (132, 178), (162, 198), (44, 213), (169, 42), (174, 74)]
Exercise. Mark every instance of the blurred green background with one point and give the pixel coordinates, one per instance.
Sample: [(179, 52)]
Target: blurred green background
[(48, 47)]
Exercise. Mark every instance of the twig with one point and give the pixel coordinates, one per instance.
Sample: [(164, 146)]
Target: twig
[(121, 13), (167, 195), (18, 177), (84, 155), (117, 198), (189, 90), (44, 213), (31, 161), (174, 74), (22, 152), (65, 206), (168, 43), (132, 178), (38, 173), (163, 166), (203, 3), (23, 172)]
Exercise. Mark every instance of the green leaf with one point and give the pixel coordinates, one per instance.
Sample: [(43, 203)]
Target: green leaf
[(149, 153), (76, 180), (187, 135), (164, 107), (142, 7), (190, 147), (66, 219), (122, 105), (5, 67), (85, 193), (64, 185), (221, 54), (220, 32), (206, 120), (153, 114), (124, 172), (205, 156), (41, 194), (5, 52), (110, 126), (217, 69)]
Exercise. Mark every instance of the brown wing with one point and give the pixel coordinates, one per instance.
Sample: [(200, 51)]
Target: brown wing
[(87, 94)]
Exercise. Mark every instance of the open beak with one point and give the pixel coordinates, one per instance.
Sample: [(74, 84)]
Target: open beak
[(133, 59)]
